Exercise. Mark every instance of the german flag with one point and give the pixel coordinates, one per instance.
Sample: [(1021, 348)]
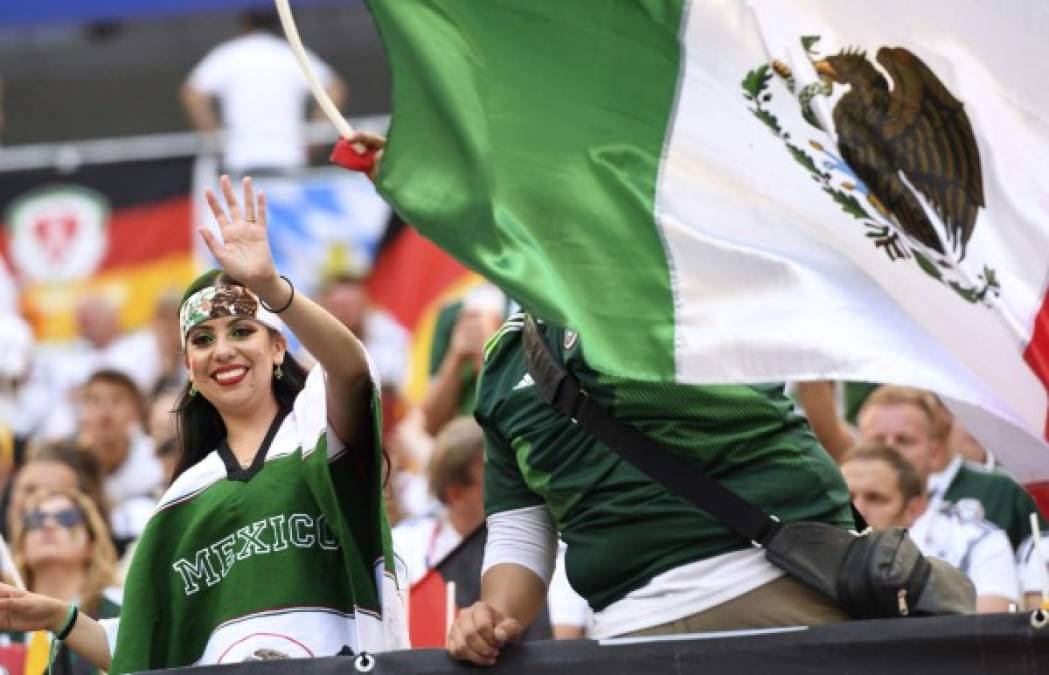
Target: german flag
[(123, 230), (413, 279)]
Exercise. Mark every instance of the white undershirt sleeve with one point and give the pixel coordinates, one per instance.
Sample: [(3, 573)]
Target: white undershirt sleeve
[(525, 537)]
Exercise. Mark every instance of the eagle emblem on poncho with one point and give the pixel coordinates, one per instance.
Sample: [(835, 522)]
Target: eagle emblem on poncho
[(906, 162)]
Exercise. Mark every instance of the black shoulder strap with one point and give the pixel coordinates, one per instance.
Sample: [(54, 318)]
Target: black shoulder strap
[(561, 389)]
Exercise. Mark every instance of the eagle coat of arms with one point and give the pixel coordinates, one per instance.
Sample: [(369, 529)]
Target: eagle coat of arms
[(906, 164)]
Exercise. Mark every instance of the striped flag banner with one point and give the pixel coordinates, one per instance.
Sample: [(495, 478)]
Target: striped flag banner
[(413, 280), (120, 229), (727, 191)]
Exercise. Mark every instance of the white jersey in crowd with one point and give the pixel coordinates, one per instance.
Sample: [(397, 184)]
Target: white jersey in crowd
[(423, 541), (65, 367), (959, 534), (263, 97), (388, 343), (133, 489)]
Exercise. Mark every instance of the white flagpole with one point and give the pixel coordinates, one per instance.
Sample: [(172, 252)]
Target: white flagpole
[(291, 32)]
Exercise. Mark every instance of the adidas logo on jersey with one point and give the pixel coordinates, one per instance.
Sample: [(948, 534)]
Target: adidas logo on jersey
[(526, 381)]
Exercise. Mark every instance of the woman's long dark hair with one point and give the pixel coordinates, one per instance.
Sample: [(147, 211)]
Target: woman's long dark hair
[(199, 426)]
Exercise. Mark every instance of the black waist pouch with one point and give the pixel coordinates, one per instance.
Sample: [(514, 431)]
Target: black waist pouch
[(872, 575)]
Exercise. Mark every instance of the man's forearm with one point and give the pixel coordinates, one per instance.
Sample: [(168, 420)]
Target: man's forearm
[(514, 590), (198, 108), (441, 402)]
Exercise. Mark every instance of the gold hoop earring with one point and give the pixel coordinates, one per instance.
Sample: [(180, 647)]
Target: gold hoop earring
[(277, 372)]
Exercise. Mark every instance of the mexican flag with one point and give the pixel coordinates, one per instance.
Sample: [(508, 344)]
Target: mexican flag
[(741, 192)]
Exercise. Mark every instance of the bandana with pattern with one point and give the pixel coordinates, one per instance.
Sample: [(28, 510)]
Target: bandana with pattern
[(215, 302)]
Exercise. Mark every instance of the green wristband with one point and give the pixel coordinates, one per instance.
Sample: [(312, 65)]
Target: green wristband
[(70, 621)]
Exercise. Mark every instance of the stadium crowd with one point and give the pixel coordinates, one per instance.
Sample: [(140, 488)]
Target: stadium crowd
[(89, 444), (93, 426)]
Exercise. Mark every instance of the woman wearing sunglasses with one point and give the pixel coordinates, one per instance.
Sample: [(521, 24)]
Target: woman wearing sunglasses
[(62, 549), (272, 541)]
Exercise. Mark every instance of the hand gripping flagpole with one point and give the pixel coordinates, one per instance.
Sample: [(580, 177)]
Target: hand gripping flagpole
[(344, 153)]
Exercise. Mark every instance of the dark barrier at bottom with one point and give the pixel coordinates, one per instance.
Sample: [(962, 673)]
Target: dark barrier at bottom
[(1000, 643)]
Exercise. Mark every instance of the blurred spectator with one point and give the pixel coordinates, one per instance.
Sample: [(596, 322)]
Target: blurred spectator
[(458, 350), (101, 345), (111, 428), (167, 455), (171, 370), (262, 95), (917, 425), (345, 296), (160, 422), (62, 549), (107, 346), (962, 443), (409, 448), (8, 291), (161, 426), (25, 397), (819, 402), (456, 478), (59, 466), (907, 420), (890, 492)]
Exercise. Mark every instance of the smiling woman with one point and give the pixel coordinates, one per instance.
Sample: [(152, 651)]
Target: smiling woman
[(238, 367), (272, 539)]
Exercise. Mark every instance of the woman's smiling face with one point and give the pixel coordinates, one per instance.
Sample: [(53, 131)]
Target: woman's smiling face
[(231, 360)]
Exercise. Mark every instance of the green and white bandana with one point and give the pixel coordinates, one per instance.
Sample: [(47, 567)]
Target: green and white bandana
[(214, 302)]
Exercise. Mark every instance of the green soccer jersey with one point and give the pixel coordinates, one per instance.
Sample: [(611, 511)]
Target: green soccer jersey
[(621, 527), (289, 558), (1005, 503)]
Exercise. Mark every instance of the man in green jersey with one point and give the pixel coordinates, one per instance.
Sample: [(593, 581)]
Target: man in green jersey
[(645, 560)]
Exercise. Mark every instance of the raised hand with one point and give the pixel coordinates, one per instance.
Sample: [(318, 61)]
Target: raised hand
[(244, 251), (22, 610), (468, 337)]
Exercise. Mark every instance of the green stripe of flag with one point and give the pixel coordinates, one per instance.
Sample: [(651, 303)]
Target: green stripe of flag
[(526, 140)]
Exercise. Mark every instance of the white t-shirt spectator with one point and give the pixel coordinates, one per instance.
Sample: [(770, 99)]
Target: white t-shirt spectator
[(387, 343), (8, 291), (133, 489), (68, 366), (959, 534), (424, 541), (263, 98)]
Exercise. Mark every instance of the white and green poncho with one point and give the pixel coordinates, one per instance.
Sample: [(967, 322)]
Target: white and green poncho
[(293, 560)]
